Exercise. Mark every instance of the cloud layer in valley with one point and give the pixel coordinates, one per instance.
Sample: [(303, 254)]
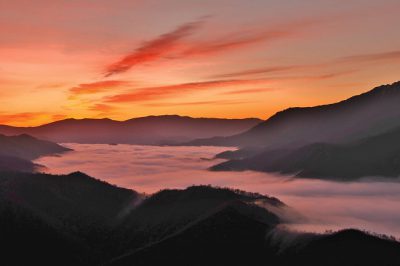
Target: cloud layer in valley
[(370, 205)]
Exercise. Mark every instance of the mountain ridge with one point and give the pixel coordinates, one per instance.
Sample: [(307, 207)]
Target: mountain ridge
[(336, 141), (309, 122), (150, 130)]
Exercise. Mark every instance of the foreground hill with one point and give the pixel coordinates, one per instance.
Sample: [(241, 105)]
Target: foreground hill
[(229, 238), (152, 130), (377, 156), (57, 220), (170, 211), (74, 220)]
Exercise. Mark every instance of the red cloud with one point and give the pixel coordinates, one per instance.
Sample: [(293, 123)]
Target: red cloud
[(170, 45), (152, 50), (96, 87)]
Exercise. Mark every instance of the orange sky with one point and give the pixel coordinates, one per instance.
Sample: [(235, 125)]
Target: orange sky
[(209, 58)]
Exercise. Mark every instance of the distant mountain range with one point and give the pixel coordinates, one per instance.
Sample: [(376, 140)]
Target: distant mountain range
[(346, 140), (151, 130), (74, 220)]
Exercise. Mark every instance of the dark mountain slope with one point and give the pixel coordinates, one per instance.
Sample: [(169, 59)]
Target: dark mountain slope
[(229, 238), (73, 213), (170, 211), (373, 156), (368, 114), (347, 247), (28, 240), (67, 199), (145, 130), (27, 147), (9, 164), (75, 220), (224, 238)]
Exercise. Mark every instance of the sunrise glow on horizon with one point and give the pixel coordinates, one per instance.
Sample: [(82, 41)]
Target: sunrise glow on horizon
[(226, 58)]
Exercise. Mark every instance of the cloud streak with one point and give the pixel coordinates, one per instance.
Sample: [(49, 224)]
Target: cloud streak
[(223, 102), (104, 108), (151, 93), (235, 41), (152, 50), (242, 39), (235, 92), (19, 119), (257, 71), (391, 55), (161, 92), (96, 87), (171, 45)]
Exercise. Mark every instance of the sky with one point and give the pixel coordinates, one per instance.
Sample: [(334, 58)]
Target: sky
[(212, 58)]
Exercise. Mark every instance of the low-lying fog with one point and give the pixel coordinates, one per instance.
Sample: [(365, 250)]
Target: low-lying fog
[(369, 205)]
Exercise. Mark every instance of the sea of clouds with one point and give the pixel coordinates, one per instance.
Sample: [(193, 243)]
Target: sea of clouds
[(371, 204)]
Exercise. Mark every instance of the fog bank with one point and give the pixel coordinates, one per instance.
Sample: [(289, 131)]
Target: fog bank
[(370, 204)]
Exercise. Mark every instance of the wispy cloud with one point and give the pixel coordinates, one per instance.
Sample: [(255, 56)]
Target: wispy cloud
[(152, 50), (100, 107), (161, 92), (58, 117), (247, 91), (19, 119), (222, 102), (152, 93), (257, 71), (244, 38), (284, 69), (96, 87), (232, 42), (391, 55), (172, 45)]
